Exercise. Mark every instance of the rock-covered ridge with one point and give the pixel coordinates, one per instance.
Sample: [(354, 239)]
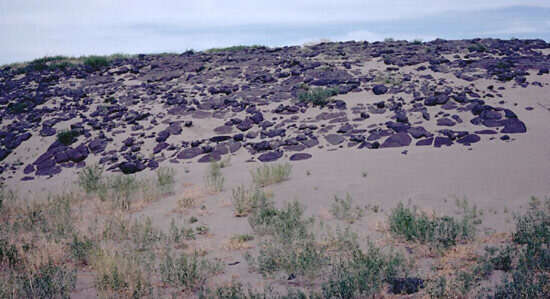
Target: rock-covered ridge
[(140, 111)]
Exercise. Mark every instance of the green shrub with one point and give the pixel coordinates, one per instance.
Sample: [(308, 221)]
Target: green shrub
[(342, 209), (288, 244), (67, 137), (440, 231), (123, 190), (363, 274), (50, 281), (271, 174), (165, 179), (245, 200), (8, 254), (81, 249), (317, 96), (214, 177), (96, 62), (187, 271), (89, 178)]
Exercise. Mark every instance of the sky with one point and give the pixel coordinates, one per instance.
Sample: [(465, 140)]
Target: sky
[(35, 28)]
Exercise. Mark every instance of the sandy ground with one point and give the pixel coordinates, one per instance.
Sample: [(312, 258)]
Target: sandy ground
[(497, 176)]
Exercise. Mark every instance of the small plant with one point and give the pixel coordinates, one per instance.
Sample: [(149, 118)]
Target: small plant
[(271, 174), (89, 178), (187, 271), (245, 200), (124, 188), (67, 137), (165, 179), (49, 281), (440, 231), (81, 249), (317, 96), (96, 62), (214, 178), (363, 274), (118, 274), (342, 209)]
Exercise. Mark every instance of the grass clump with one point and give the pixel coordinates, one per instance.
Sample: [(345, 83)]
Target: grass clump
[(214, 177), (96, 62), (271, 174), (123, 190), (342, 209), (67, 137), (362, 274), (443, 231), (165, 180), (119, 274), (90, 178), (317, 96), (288, 245), (187, 271), (245, 200)]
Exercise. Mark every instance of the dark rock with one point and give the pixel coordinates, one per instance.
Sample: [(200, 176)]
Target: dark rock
[(334, 139), (469, 139), (300, 156), (189, 153), (408, 285), (424, 142), (397, 140), (379, 89), (513, 125), (270, 156), (440, 141)]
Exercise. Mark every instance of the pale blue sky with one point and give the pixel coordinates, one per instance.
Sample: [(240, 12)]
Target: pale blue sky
[(36, 28)]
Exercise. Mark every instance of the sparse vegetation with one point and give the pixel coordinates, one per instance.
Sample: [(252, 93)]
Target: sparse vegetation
[(67, 137), (317, 96), (90, 178), (271, 174), (187, 271), (214, 177), (165, 179), (245, 200), (342, 209), (96, 62), (439, 231)]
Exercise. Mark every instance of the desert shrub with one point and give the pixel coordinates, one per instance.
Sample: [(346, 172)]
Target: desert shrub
[(89, 178), (96, 62), (363, 274), (81, 248), (301, 256), (245, 200), (67, 137), (165, 179), (317, 96), (439, 231), (120, 274), (187, 271), (6, 196), (123, 190), (8, 254), (271, 174), (214, 177), (288, 244), (177, 234), (49, 281), (342, 209), (144, 235), (529, 273)]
